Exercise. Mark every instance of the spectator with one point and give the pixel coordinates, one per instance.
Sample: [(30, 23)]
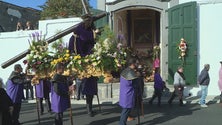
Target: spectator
[(28, 88), (179, 83), (203, 81), (19, 26), (29, 26)]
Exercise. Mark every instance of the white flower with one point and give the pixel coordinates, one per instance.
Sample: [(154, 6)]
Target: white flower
[(98, 58), (106, 43), (119, 45)]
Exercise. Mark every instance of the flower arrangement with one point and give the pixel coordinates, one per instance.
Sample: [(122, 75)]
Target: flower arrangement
[(108, 56), (182, 47), (111, 53), (60, 53), (39, 59)]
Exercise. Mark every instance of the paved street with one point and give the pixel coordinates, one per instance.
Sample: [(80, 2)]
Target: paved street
[(190, 114)]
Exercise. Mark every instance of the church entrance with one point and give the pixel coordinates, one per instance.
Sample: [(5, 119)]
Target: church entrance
[(141, 31)]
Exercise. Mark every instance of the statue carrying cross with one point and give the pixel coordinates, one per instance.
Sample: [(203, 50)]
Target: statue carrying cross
[(54, 37)]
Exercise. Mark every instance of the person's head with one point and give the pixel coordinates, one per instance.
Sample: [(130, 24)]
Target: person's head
[(207, 67), (221, 63), (88, 21), (19, 24), (28, 23), (180, 69), (132, 63), (60, 68), (18, 68)]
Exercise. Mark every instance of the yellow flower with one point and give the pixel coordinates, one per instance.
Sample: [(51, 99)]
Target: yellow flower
[(60, 59), (77, 57), (67, 55), (67, 51), (66, 58)]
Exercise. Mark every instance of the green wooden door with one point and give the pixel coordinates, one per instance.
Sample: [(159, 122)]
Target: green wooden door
[(183, 24)]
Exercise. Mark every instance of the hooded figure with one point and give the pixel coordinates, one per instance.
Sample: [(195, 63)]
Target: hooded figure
[(128, 90), (59, 94), (15, 85)]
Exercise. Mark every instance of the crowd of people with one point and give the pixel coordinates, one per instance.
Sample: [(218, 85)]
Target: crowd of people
[(20, 26), (130, 96)]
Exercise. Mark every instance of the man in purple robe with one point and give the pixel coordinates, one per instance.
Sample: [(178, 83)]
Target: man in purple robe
[(128, 90), (82, 43), (42, 91), (59, 94), (15, 85)]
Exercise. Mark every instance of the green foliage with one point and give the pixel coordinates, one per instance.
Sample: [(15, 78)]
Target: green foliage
[(110, 50), (106, 33), (61, 8)]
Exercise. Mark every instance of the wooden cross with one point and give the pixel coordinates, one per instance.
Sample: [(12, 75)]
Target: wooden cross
[(54, 37)]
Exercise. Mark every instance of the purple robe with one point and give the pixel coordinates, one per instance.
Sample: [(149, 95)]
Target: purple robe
[(59, 103), (15, 91), (127, 93), (43, 89), (84, 41), (220, 79), (90, 86), (158, 82), (39, 89)]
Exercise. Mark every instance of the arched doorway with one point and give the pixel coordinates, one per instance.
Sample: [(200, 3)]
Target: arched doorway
[(140, 29)]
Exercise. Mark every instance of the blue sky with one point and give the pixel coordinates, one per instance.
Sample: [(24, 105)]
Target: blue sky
[(36, 3)]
